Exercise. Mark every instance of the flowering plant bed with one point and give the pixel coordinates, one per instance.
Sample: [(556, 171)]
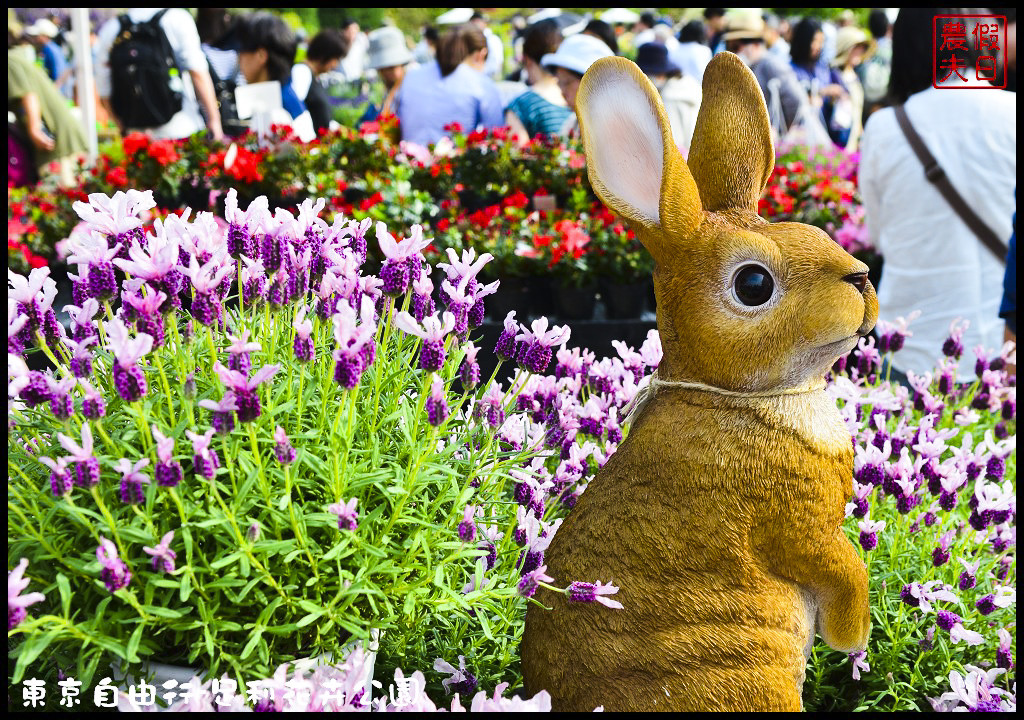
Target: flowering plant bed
[(475, 190)]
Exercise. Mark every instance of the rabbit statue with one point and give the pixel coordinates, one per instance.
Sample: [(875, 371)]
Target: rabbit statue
[(719, 515)]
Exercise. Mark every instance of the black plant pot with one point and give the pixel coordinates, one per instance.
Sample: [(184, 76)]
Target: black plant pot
[(625, 302), (513, 294), (542, 296), (575, 303)]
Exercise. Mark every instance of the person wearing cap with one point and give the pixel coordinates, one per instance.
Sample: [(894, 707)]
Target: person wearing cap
[(452, 89), (389, 56), (744, 36), (323, 55), (541, 110), (572, 59), (42, 34), (680, 93), (853, 46)]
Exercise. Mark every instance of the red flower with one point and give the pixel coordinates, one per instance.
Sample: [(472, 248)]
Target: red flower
[(453, 128), (370, 201), (443, 224), (117, 177), (163, 152), (135, 141), (475, 136), (518, 199)]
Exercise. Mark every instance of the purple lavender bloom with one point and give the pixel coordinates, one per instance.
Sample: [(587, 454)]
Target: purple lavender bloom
[(238, 352), (205, 459), (60, 478), (34, 295), (395, 273), (87, 467), (36, 390), (115, 574), (207, 280), (90, 250), (869, 530), (470, 371), (969, 576), (584, 592), (531, 580), (254, 282), (128, 378), (953, 346), (986, 605), (81, 358), (538, 343), (16, 602), (283, 449), (303, 345), (132, 480), (1004, 654), (908, 597), (506, 347), (163, 556), (437, 406), (462, 681), (946, 620), (246, 395), (61, 404), (350, 355), (432, 333), (93, 405), (347, 514), (467, 528), (223, 419), (422, 302)]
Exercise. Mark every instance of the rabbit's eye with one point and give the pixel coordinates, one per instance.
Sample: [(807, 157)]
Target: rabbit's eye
[(753, 285)]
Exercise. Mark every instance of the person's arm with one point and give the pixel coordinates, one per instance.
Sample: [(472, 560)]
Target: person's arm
[(518, 130), (207, 98), (34, 122)]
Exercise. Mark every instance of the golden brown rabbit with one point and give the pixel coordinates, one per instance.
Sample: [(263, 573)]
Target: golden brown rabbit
[(719, 515)]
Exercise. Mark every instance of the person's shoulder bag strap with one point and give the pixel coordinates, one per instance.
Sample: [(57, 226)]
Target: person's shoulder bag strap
[(937, 177)]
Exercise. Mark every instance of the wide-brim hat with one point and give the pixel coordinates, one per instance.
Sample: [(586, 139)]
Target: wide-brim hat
[(652, 58), (387, 49), (847, 39), (744, 24), (577, 53)]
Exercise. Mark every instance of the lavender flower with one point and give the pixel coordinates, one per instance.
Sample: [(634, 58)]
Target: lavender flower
[(506, 347), (859, 660), (346, 513), (869, 530), (163, 556), (168, 471), (223, 419), (283, 449), (953, 346), (204, 459), (433, 332), (398, 257), (470, 370), (529, 582), (60, 478), (245, 389), (132, 480), (1004, 655), (975, 689), (303, 345), (206, 280), (90, 250), (940, 555), (584, 592), (87, 466), (461, 681), (61, 404), (93, 405), (891, 336), (238, 352), (35, 389), (115, 574), (244, 227), (355, 343), (467, 528), (969, 575), (537, 345), (128, 378), (422, 302), (81, 358), (16, 602), (437, 406)]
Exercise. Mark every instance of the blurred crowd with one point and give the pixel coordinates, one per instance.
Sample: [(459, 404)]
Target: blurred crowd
[(827, 83)]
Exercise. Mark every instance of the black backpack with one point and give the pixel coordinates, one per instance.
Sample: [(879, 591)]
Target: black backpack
[(146, 84)]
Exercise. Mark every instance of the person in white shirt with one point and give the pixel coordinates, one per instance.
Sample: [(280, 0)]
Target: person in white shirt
[(495, 66), (932, 261), (198, 89), (692, 54), (353, 65)]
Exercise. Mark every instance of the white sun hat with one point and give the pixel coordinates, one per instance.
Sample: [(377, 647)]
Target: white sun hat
[(577, 53), (455, 16), (387, 48), (620, 16)]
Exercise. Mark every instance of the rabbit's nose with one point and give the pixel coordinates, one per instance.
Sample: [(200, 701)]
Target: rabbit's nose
[(858, 280)]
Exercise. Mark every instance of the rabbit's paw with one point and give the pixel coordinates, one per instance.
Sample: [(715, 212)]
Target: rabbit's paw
[(845, 626)]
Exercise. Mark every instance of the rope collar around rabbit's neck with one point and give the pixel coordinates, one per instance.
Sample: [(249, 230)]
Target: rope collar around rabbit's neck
[(648, 391)]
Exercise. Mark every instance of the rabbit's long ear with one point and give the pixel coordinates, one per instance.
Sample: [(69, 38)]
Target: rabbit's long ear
[(633, 163), (731, 155)]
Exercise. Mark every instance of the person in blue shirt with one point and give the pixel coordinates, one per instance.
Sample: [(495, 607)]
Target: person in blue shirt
[(42, 34), (452, 89), (819, 80), (267, 52)]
